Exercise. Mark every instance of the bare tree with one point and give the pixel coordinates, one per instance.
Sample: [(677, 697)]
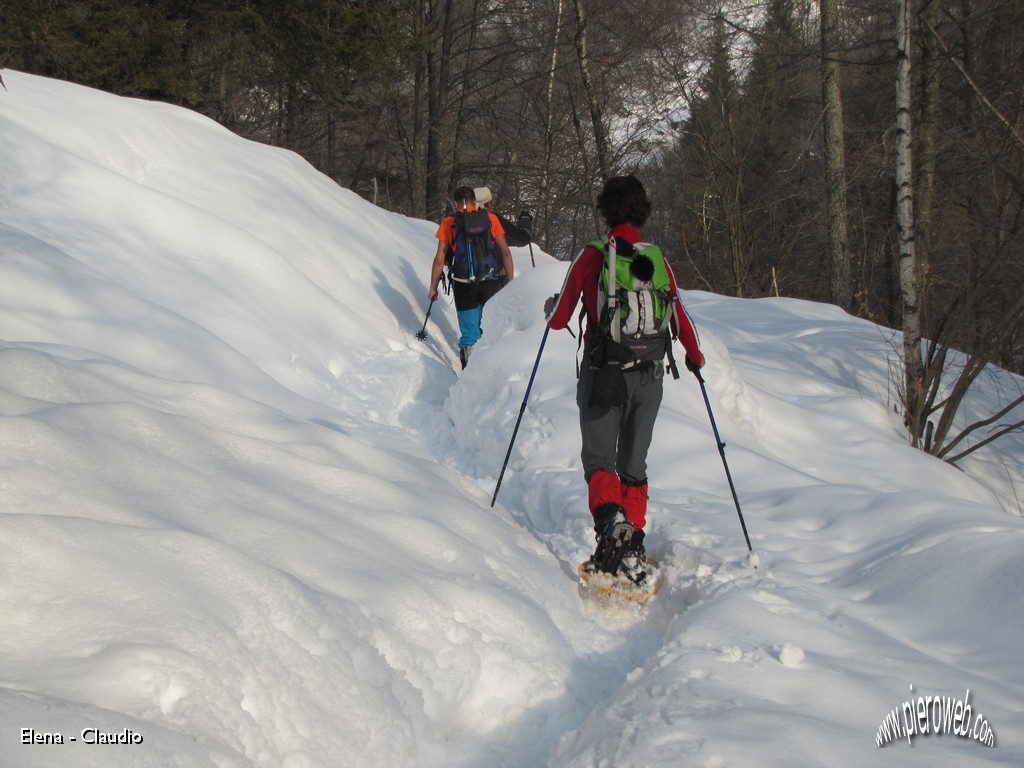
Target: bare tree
[(936, 379), (840, 283), (914, 395), (590, 90), (927, 137)]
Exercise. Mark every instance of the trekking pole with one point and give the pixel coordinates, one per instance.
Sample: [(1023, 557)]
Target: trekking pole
[(721, 451), (522, 408), (421, 334), (532, 262)]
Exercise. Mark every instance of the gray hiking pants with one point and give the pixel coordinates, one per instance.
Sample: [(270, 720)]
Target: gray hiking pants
[(617, 439)]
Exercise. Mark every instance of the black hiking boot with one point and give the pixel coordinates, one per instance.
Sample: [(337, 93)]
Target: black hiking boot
[(634, 565), (614, 535)]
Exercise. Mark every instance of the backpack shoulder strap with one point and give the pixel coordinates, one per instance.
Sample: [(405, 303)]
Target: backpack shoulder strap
[(604, 325)]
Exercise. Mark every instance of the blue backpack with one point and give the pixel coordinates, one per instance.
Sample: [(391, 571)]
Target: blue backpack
[(475, 256)]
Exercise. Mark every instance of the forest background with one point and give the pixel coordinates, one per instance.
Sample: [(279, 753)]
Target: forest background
[(768, 133)]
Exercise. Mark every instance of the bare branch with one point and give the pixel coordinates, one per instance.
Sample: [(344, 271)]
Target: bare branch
[(994, 436), (1014, 131)]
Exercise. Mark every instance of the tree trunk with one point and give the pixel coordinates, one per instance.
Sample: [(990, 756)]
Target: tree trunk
[(600, 140), (840, 288), (417, 143), (927, 137), (907, 261), (439, 30), (549, 133)]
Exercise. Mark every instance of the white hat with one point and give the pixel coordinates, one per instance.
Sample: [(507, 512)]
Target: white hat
[(483, 195)]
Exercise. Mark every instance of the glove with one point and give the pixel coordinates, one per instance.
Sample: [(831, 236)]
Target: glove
[(525, 223), (549, 304)]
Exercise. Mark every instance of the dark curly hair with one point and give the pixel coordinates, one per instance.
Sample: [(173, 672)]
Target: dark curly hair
[(464, 194), (624, 201)]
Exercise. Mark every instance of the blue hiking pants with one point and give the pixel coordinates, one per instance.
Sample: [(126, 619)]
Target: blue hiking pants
[(469, 304)]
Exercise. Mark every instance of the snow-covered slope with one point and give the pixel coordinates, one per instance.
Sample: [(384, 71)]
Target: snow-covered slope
[(246, 515)]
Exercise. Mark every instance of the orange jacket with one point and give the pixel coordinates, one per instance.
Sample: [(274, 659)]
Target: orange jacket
[(446, 232)]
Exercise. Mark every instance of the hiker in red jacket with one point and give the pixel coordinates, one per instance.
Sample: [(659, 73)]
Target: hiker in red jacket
[(617, 419)]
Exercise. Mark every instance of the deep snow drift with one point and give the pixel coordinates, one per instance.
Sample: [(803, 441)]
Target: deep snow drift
[(246, 514)]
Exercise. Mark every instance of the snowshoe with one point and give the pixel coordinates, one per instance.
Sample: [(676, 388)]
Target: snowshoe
[(619, 586), (619, 566)]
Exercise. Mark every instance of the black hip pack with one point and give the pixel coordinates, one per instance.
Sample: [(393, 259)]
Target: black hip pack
[(610, 360)]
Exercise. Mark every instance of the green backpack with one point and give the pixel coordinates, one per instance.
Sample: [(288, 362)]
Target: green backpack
[(638, 314)]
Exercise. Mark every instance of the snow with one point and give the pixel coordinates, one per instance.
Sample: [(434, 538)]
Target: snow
[(246, 513)]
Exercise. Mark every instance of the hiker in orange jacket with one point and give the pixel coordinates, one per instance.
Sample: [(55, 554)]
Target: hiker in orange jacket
[(475, 277)]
